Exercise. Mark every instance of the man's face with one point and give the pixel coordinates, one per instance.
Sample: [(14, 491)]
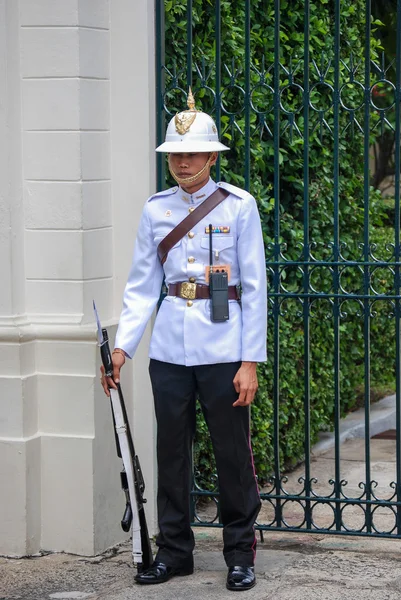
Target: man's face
[(188, 164)]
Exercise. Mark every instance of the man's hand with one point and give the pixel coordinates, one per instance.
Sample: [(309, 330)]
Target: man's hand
[(246, 383), (118, 359)]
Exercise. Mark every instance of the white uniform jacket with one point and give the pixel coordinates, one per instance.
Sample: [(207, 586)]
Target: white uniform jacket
[(183, 333)]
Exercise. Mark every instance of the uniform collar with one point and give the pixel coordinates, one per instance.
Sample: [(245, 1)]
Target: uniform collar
[(200, 195)]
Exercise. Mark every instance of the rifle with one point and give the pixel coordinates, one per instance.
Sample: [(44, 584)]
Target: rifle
[(132, 481)]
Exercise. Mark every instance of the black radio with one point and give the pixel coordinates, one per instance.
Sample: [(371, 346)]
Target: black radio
[(218, 286)]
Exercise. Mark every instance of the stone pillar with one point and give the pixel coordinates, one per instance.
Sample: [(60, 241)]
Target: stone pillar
[(133, 181), (62, 232), (19, 441)]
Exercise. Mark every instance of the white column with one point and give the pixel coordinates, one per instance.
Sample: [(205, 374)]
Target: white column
[(133, 181), (58, 236), (19, 443)]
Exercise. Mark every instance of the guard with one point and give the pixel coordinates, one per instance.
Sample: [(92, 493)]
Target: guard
[(205, 238)]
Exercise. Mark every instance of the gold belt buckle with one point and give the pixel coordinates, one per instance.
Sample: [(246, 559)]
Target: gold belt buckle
[(188, 290)]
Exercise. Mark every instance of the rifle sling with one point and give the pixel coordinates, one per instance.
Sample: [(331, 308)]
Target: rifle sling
[(189, 222)]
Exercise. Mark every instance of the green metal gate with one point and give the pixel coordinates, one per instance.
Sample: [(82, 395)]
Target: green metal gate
[(311, 95)]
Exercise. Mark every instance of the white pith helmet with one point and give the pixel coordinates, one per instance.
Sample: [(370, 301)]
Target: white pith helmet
[(191, 131)]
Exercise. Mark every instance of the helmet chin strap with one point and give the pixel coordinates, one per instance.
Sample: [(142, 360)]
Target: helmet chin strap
[(184, 180)]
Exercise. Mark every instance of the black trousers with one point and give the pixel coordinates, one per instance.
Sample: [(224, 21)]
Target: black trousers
[(175, 389)]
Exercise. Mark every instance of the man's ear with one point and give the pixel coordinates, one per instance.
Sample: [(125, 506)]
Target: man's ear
[(213, 158)]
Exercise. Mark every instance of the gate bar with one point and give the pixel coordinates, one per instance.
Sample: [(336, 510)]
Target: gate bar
[(247, 99), (189, 44), (306, 254), (336, 256), (366, 255), (276, 270), (160, 87), (397, 282), (217, 27)]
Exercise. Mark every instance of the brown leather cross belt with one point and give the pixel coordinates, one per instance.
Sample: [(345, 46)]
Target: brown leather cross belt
[(197, 291)]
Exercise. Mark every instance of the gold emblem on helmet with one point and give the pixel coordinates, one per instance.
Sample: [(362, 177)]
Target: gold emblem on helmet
[(184, 120)]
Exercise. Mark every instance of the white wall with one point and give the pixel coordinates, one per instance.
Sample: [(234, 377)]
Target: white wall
[(70, 71)]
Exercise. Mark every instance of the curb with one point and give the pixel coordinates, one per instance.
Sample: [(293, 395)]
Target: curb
[(382, 418)]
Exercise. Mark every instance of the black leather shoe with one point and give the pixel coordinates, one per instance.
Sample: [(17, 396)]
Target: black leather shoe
[(159, 573), (240, 578)]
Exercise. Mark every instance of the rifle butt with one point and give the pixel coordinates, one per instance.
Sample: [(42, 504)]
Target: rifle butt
[(147, 556)]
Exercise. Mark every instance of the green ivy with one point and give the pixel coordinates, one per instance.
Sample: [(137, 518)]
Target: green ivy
[(321, 192)]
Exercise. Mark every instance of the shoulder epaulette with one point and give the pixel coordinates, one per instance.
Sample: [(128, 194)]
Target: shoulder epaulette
[(233, 189), (163, 193)]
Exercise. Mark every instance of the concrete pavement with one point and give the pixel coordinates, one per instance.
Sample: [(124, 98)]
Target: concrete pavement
[(289, 567)]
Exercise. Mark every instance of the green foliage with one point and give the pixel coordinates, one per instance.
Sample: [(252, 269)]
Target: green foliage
[(355, 211)]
